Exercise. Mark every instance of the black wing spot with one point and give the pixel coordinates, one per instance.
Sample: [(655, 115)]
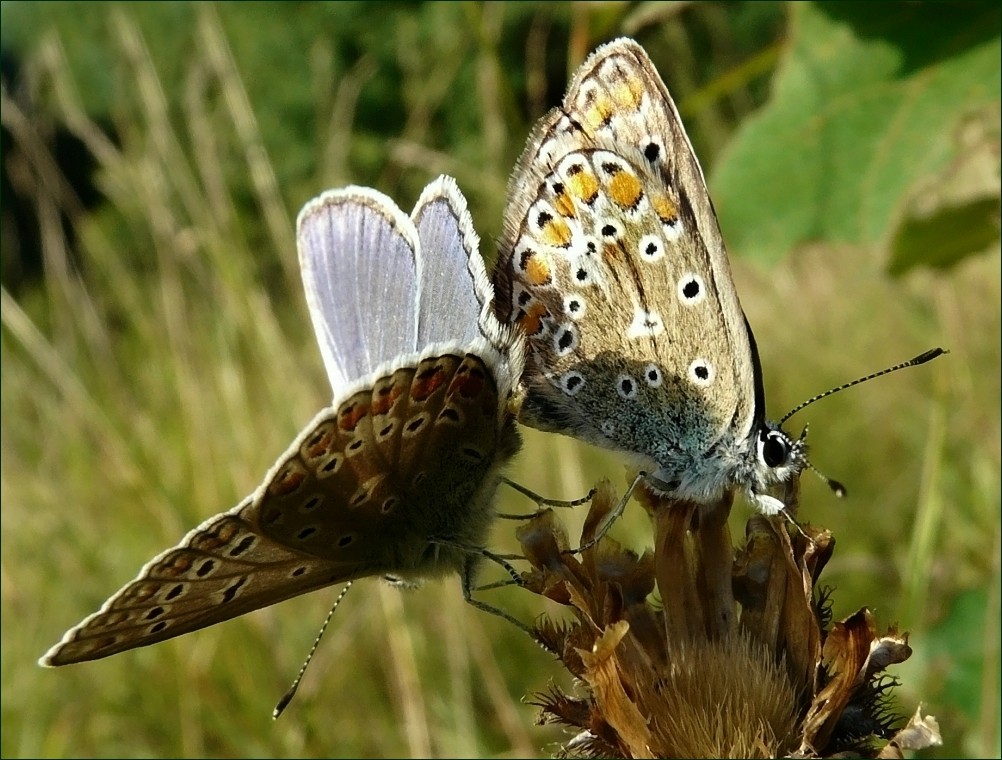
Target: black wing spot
[(230, 594), (174, 593), (243, 546)]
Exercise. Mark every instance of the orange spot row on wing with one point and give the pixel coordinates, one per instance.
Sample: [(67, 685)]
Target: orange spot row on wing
[(321, 444), (468, 382), (536, 267), (628, 93)]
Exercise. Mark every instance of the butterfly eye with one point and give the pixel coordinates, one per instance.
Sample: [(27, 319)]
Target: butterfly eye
[(774, 448)]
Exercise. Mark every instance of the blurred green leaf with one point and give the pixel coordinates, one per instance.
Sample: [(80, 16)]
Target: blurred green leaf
[(946, 236), (869, 101), (957, 653)]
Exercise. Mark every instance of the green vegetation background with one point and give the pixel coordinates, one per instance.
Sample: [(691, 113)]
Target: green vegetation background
[(164, 357)]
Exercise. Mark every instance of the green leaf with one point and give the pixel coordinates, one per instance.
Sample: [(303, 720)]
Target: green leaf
[(946, 236), (869, 102)]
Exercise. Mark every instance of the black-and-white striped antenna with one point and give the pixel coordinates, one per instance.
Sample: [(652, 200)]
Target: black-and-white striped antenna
[(287, 697), (914, 362)]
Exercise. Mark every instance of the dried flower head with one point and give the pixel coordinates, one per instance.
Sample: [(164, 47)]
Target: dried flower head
[(740, 659)]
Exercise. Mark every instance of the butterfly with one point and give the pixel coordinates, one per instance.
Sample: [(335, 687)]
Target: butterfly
[(612, 263), (395, 477)]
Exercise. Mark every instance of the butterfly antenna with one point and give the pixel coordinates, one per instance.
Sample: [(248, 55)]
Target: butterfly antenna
[(837, 488), (914, 362), (287, 697)]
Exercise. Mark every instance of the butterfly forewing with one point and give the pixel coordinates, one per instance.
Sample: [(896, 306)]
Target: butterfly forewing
[(448, 306), (357, 250)]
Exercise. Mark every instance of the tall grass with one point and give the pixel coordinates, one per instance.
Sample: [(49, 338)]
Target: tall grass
[(165, 359)]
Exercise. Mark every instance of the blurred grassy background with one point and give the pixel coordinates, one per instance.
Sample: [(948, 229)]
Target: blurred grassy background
[(157, 354)]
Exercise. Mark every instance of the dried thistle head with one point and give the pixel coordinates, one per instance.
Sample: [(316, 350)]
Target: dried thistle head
[(740, 659)]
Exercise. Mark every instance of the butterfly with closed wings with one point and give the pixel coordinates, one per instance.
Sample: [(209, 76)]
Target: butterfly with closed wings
[(612, 264)]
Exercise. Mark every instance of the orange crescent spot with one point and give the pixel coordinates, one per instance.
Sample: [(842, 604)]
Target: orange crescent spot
[(600, 112), (666, 210), (531, 319), (287, 482), (563, 204), (537, 270), (629, 93), (583, 185), (468, 382), (556, 232), (427, 383), (625, 189), (178, 567), (349, 417), (321, 447), (386, 398)]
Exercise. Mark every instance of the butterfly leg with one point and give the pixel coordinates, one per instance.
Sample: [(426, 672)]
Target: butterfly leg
[(467, 581), (792, 520), (614, 515), (541, 501)]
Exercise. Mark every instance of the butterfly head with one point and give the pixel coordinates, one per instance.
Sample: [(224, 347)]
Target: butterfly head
[(778, 458)]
